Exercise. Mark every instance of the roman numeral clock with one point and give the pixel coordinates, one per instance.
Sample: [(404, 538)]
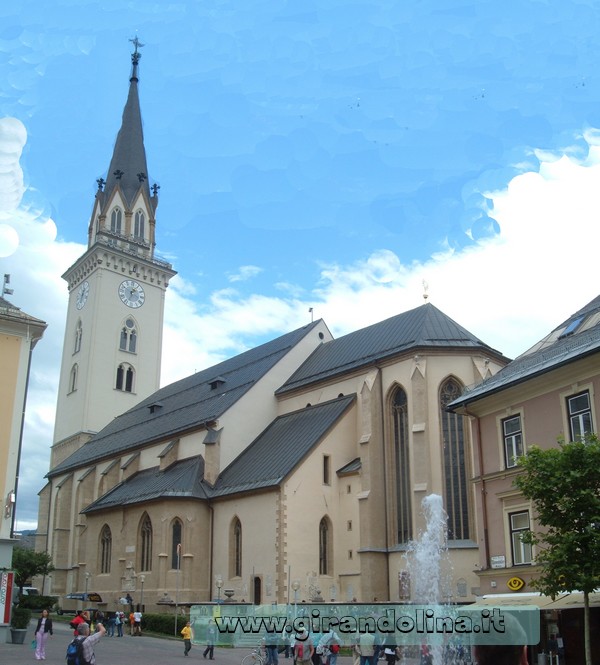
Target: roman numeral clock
[(132, 293)]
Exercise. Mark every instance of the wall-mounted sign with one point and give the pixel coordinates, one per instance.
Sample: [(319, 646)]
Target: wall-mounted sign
[(515, 584), (498, 561)]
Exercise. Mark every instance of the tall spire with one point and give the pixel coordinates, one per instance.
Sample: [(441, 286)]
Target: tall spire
[(128, 168)]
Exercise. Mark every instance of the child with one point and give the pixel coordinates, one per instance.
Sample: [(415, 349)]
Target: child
[(186, 633)]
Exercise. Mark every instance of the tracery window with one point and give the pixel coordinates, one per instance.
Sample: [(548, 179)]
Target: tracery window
[(146, 544), (176, 531), (456, 488), (78, 336), (116, 217), (125, 377), (105, 549), (73, 378), (128, 336), (402, 466), (325, 545), (235, 548), (138, 225)]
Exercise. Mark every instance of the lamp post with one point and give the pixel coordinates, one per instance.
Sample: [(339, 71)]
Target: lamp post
[(87, 581), (295, 587), (142, 580), (219, 584)]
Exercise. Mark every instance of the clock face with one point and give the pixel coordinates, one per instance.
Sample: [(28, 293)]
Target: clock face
[(132, 293), (82, 295)]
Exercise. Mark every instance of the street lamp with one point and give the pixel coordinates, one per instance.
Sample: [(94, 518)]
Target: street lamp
[(219, 583), (295, 587), (142, 580), (87, 580)]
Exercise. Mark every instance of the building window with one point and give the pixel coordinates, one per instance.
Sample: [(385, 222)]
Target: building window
[(105, 549), (115, 220), (349, 554), (580, 415), (125, 376), (78, 336), (73, 378), (324, 547), (138, 228), (326, 467), (519, 524), (237, 548), (146, 544), (513, 440), (456, 487), (349, 525), (402, 466), (176, 531), (128, 337)]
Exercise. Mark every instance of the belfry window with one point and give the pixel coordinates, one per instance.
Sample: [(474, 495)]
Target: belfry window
[(116, 217), (125, 377), (128, 336), (138, 227), (73, 378), (78, 335)]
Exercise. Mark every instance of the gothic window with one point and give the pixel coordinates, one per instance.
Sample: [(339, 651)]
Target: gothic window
[(325, 537), (176, 531), (235, 548), (128, 336), (146, 544), (125, 376), (105, 549), (456, 489), (402, 466), (73, 378), (138, 230), (78, 335), (115, 220)]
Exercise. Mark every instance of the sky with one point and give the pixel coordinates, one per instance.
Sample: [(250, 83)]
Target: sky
[(346, 156)]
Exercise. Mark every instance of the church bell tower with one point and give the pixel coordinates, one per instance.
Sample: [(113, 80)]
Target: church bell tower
[(113, 338)]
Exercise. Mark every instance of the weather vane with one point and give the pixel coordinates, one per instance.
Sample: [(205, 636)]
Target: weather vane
[(135, 56)]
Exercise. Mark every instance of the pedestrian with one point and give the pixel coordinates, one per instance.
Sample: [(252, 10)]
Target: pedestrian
[(88, 641), (303, 648), (271, 642), (211, 636), (131, 622), (186, 633), (137, 622), (43, 629), (110, 625), (119, 618), (76, 621)]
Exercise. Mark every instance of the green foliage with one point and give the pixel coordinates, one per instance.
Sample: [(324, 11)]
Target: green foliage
[(28, 563), (38, 602), (163, 623), (20, 617), (563, 484)]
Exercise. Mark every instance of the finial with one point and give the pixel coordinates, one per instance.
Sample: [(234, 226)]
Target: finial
[(425, 289), (135, 57), (155, 189), (100, 182), (141, 176), (118, 174)]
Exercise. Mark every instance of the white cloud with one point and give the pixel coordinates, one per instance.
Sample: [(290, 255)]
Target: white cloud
[(245, 273), (509, 290)]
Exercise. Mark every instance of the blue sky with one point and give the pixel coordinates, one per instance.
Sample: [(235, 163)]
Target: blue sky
[(324, 154)]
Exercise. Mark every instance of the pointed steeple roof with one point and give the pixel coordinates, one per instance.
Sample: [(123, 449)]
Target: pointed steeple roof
[(128, 169)]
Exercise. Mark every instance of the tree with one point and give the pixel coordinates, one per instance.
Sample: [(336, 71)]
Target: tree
[(28, 563), (563, 484)]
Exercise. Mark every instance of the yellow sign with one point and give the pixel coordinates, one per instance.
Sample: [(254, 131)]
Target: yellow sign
[(515, 584)]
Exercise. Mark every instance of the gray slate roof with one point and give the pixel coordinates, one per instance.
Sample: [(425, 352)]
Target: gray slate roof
[(423, 327), (181, 480), (280, 447), (547, 355), (263, 464), (12, 312), (186, 405)]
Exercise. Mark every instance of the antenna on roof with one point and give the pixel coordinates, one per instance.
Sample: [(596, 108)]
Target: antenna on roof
[(5, 290), (312, 318), (425, 289)]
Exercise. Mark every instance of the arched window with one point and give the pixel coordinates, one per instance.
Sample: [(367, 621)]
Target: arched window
[(78, 336), (128, 336), (146, 544), (235, 548), (325, 537), (402, 466), (176, 531), (125, 377), (73, 378), (456, 489), (105, 549), (115, 220), (138, 228)]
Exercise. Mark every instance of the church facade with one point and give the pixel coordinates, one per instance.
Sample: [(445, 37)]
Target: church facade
[(293, 471)]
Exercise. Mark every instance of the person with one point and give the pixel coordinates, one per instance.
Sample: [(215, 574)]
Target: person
[(271, 640), (303, 648), (137, 622), (89, 641), (186, 633), (119, 618), (110, 627), (506, 648), (77, 621), (391, 653), (211, 635), (366, 648), (43, 629), (330, 643)]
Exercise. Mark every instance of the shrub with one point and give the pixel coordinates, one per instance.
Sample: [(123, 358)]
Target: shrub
[(20, 618), (38, 603)]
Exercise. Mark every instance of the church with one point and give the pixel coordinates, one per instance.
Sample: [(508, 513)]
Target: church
[(294, 471)]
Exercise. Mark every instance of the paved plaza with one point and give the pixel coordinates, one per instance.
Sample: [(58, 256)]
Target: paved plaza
[(126, 650)]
